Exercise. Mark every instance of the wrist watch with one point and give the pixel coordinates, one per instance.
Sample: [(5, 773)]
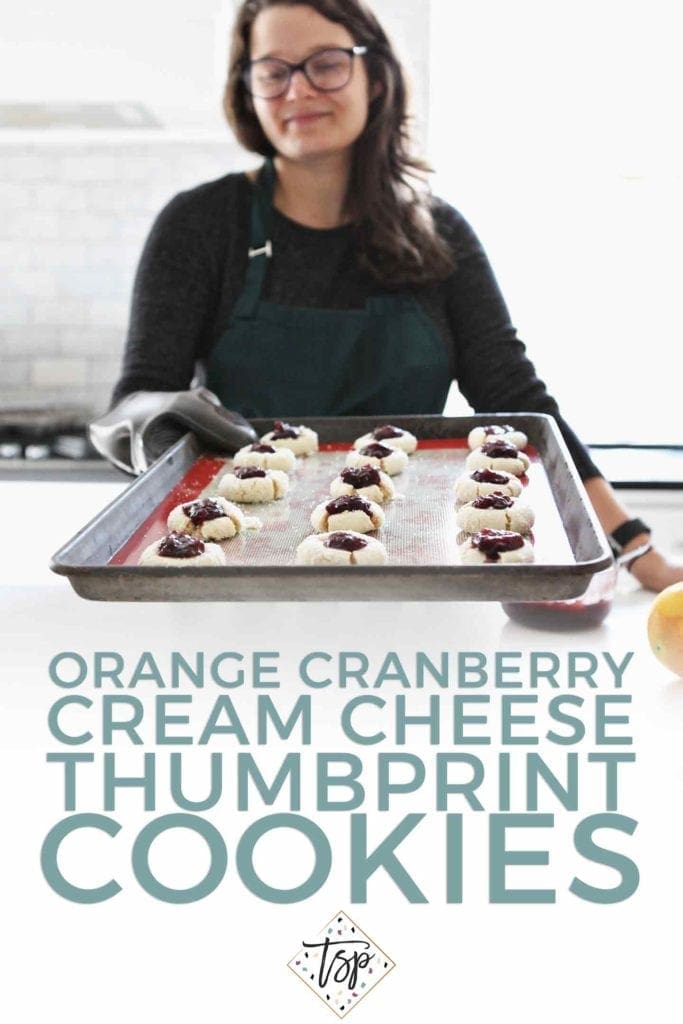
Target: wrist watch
[(619, 538)]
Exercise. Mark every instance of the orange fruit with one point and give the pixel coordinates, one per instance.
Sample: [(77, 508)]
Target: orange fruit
[(665, 627)]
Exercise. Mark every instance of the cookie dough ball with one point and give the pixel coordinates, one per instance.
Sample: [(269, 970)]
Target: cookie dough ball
[(480, 435), (182, 550), (485, 481), (496, 511), (390, 460), (207, 518), (498, 455), (392, 437), (250, 484), (365, 481), (342, 547), (495, 547), (349, 512), (265, 456), (300, 440)]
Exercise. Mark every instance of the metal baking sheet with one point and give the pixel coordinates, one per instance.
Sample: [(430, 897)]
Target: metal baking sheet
[(420, 532)]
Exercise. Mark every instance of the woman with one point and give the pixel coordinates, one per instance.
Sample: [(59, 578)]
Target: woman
[(329, 282)]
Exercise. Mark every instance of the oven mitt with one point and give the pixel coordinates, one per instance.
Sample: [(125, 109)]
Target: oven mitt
[(146, 423)]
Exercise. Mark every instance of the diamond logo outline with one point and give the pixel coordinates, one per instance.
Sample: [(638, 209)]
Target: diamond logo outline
[(339, 976)]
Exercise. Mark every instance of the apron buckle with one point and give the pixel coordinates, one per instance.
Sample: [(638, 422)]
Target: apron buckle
[(265, 250)]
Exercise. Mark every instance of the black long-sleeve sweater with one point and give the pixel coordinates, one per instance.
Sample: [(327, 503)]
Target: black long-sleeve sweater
[(193, 267)]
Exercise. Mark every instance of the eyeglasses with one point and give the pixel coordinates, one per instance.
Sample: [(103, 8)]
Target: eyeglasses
[(326, 70)]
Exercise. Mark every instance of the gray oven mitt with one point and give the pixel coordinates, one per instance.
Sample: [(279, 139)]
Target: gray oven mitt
[(146, 423)]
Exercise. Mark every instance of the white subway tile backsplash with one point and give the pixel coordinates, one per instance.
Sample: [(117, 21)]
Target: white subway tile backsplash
[(14, 372), (57, 253), (107, 312), (74, 214), (91, 166), (36, 164), (92, 283), (13, 255), (26, 341), (92, 399), (14, 194), (94, 342), (88, 226), (15, 310), (29, 225), (22, 396), (133, 229), (103, 371), (52, 373), (110, 197), (141, 168), (60, 196), (59, 312), (30, 282)]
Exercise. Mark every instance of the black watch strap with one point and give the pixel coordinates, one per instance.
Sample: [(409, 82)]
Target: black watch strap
[(620, 537)]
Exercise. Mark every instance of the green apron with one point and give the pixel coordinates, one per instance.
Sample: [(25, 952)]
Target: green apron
[(283, 361)]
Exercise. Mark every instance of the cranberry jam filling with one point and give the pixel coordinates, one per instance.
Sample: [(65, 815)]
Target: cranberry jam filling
[(282, 430), (202, 510), (247, 472), (180, 545), (489, 476), (348, 503), (499, 450), (376, 451), (363, 476), (495, 500), (382, 433), (345, 541), (266, 448), (493, 542)]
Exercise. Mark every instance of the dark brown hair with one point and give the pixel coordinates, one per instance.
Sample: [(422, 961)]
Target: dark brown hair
[(397, 239)]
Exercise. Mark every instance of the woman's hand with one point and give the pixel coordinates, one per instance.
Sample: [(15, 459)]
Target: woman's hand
[(654, 571)]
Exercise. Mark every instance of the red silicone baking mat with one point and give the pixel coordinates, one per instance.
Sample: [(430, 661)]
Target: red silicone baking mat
[(420, 527)]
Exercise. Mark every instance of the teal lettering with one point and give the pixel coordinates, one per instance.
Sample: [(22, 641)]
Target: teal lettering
[(217, 866), (500, 858), (583, 841), (307, 888), (50, 852)]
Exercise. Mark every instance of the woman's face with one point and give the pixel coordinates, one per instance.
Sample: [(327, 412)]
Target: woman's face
[(305, 122)]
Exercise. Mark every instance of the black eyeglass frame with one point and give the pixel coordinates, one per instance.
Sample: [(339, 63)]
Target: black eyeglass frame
[(351, 51)]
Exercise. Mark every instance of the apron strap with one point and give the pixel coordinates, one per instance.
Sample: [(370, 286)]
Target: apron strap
[(260, 243)]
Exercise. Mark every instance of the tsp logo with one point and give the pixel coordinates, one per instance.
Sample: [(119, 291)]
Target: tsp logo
[(341, 964)]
